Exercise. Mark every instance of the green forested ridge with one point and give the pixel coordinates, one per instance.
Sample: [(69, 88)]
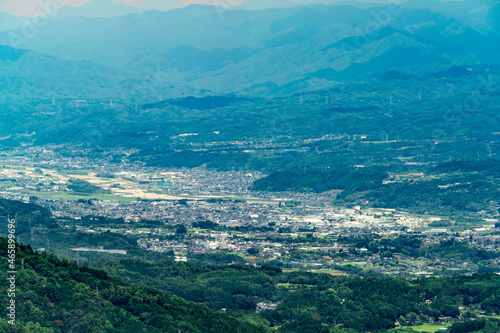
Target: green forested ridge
[(310, 302), (84, 187), (489, 166), (26, 214), (429, 197), (320, 180), (56, 295), (36, 226), (414, 246), (436, 127), (444, 188), (306, 302)]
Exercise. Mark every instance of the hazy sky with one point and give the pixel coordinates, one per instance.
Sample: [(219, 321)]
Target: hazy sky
[(35, 7)]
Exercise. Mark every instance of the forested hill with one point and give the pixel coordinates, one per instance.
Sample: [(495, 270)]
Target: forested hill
[(457, 187), (322, 303), (340, 178), (55, 295)]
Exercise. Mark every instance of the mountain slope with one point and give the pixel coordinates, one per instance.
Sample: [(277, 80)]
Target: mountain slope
[(264, 4), (55, 295), (161, 5), (98, 8), (24, 75), (8, 21), (473, 12), (196, 51)]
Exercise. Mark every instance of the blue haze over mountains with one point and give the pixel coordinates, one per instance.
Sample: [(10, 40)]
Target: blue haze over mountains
[(102, 49)]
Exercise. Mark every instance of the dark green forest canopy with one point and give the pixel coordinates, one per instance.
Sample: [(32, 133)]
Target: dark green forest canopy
[(56, 295), (26, 214), (319, 300), (444, 189), (303, 299), (84, 187), (490, 166), (346, 178)]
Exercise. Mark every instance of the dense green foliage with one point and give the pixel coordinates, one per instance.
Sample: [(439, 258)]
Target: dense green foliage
[(414, 246), (54, 295), (320, 180), (84, 187), (489, 166), (470, 195), (445, 189), (468, 326), (306, 300), (27, 215)]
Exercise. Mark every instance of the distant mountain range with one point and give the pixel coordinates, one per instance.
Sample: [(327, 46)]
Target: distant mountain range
[(98, 8), (159, 4), (200, 50), (29, 74), (8, 21)]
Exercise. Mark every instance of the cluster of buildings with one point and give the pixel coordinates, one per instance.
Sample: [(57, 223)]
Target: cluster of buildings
[(295, 228)]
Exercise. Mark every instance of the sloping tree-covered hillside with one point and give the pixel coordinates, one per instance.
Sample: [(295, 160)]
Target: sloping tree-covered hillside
[(341, 178), (55, 295), (312, 302)]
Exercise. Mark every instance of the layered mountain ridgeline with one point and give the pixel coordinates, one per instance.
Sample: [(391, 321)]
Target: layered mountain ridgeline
[(429, 115), (446, 188), (56, 295), (312, 302), (198, 50), (76, 80), (9, 21), (296, 92), (97, 8)]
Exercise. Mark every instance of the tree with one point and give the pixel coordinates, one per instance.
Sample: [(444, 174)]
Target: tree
[(180, 229), (387, 254), (253, 251)]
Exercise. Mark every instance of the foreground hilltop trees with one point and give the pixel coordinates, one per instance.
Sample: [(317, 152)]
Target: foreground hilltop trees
[(57, 295), (54, 295), (303, 302)]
